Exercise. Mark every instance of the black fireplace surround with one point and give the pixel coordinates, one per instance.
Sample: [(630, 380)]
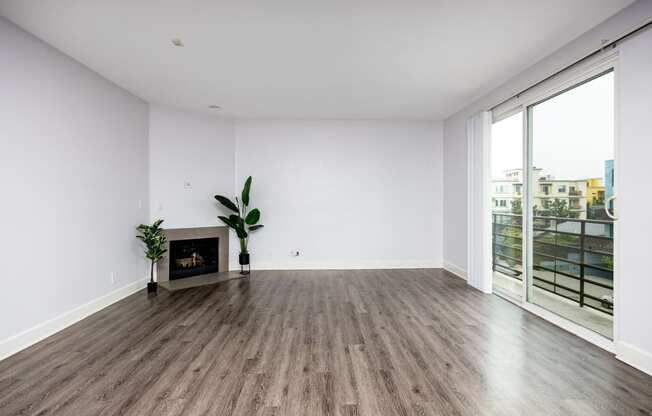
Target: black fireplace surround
[(193, 257)]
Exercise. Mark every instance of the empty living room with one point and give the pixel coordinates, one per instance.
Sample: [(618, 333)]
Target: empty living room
[(306, 208)]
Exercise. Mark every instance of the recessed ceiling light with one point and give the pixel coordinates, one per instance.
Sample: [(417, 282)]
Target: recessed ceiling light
[(214, 107), (177, 42)]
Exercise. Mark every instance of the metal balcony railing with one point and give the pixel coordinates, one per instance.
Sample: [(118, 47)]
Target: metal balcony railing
[(572, 258)]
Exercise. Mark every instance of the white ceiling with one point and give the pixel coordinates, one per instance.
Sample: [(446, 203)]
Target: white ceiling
[(380, 59)]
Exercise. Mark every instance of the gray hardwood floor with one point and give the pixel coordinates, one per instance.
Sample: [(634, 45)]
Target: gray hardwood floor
[(381, 342)]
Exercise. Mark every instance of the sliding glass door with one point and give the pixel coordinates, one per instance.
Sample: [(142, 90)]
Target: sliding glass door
[(570, 237), (553, 190)]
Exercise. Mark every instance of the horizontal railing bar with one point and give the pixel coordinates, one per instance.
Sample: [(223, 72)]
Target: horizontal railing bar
[(554, 284), (605, 310), (518, 227), (586, 250), (507, 257), (504, 270), (570, 298), (557, 285), (558, 294), (562, 219), (574, 277), (590, 266), (602, 269), (508, 236), (570, 276), (556, 244), (558, 258), (547, 230), (504, 245), (602, 253)]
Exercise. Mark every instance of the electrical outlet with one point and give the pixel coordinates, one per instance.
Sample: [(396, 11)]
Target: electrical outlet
[(187, 185), (112, 277), (296, 252)]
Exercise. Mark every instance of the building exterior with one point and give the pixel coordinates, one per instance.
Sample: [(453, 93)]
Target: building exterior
[(609, 180), (595, 191), (508, 192)]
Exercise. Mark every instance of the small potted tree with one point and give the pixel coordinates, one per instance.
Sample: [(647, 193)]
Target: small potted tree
[(243, 221), (154, 239)]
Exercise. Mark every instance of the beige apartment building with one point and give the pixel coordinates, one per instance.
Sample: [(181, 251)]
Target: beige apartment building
[(507, 190)]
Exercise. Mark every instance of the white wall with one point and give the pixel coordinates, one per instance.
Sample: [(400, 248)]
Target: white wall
[(634, 331), (189, 147), (346, 193), (74, 185), (634, 236)]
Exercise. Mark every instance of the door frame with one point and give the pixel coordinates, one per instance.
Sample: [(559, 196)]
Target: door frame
[(563, 82)]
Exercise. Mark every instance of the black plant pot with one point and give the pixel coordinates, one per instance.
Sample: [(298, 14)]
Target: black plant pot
[(152, 287), (244, 261)]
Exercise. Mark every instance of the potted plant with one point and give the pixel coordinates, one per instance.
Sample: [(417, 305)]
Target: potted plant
[(243, 221), (154, 239)]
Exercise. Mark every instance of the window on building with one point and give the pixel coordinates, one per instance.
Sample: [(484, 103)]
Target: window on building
[(561, 189)]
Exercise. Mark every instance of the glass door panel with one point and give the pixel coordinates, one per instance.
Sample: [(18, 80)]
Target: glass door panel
[(507, 202), (571, 173)]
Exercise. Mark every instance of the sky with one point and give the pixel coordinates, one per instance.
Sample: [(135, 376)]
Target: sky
[(572, 133)]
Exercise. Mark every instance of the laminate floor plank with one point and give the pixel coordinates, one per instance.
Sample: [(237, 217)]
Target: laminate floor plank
[(343, 343)]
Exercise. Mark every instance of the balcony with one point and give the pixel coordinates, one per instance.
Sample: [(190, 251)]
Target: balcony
[(572, 265)]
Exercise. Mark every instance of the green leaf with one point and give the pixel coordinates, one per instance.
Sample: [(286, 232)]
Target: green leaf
[(245, 191), (227, 221), (255, 227), (253, 216), (226, 202), (241, 233), (153, 237), (236, 219)]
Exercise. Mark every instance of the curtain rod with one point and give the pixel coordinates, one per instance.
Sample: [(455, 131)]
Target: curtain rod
[(611, 44)]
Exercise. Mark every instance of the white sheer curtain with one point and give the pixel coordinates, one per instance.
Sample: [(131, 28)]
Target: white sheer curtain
[(478, 133)]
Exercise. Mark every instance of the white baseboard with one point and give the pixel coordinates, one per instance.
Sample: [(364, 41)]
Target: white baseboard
[(456, 270), (634, 356), (29, 337), (370, 265)]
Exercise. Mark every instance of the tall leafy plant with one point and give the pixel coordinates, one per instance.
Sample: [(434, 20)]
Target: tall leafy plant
[(154, 239), (243, 221)]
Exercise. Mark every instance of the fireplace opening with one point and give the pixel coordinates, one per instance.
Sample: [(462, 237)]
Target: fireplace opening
[(193, 257)]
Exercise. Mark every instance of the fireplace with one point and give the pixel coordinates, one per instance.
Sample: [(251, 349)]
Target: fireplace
[(193, 257), (191, 252)]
